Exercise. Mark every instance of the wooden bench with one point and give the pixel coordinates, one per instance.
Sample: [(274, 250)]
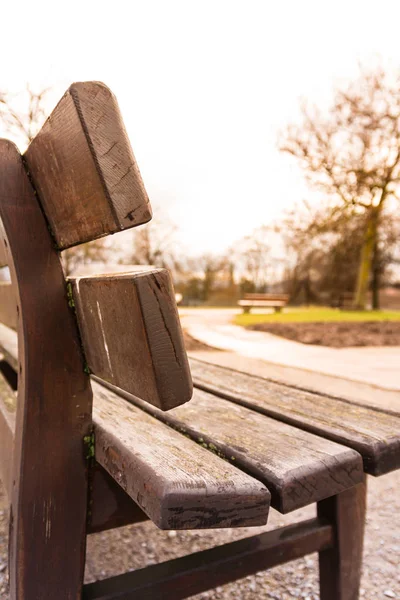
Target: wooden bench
[(343, 300), (96, 427), (275, 301)]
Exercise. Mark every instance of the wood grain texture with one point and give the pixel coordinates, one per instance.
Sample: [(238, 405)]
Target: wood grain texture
[(132, 336), (176, 482), (374, 434), (8, 305), (183, 577), (298, 468), (49, 494), (340, 566), (83, 168), (8, 402)]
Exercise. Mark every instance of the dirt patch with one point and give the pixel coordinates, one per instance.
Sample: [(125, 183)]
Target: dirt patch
[(337, 334), (193, 345)]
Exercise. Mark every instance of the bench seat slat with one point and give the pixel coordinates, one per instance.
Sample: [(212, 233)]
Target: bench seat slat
[(298, 468), (374, 434), (175, 481)]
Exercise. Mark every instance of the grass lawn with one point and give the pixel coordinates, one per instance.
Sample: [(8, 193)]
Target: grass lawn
[(316, 315)]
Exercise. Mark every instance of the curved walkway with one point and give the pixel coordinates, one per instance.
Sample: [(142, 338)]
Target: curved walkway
[(374, 366)]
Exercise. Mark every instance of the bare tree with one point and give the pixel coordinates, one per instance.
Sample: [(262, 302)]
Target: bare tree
[(84, 254), (156, 244), (205, 268), (254, 257), (322, 251), (23, 123), (352, 154)]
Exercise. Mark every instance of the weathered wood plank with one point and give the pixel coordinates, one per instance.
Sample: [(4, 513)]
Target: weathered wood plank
[(8, 305), (340, 565), (83, 168), (372, 433), (175, 481), (49, 492), (183, 577), (297, 467), (8, 402), (132, 336)]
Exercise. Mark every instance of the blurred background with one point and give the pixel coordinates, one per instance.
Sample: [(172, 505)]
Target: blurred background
[(266, 138)]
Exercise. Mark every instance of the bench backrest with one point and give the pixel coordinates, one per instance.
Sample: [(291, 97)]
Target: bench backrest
[(88, 184), (77, 181)]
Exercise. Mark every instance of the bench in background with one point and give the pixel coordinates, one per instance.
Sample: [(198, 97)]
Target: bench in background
[(275, 301)]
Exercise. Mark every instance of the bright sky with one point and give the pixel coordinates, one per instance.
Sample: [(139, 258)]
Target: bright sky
[(204, 87)]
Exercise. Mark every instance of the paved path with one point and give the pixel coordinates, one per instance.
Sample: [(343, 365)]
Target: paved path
[(371, 366)]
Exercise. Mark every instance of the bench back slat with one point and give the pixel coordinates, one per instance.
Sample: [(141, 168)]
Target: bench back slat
[(84, 170), (131, 334)]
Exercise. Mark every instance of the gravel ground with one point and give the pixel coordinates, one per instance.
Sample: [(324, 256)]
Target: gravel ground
[(139, 545)]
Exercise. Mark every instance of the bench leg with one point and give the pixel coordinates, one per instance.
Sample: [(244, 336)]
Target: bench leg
[(246, 310), (340, 566)]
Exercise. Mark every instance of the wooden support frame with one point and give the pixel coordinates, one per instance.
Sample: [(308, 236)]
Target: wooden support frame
[(340, 566), (183, 577), (49, 491), (336, 534)]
